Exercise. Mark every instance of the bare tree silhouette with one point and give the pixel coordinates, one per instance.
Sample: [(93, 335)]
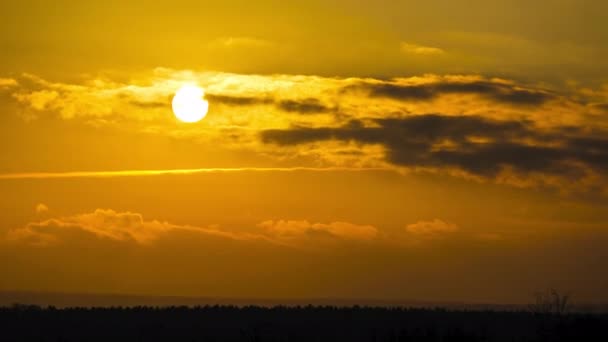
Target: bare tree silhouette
[(550, 302)]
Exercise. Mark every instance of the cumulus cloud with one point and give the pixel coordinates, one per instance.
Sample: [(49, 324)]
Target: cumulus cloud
[(107, 224), (416, 49), (129, 227), (109, 227), (292, 229)]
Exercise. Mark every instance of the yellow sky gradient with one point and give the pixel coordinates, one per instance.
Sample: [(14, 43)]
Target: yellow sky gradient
[(352, 149)]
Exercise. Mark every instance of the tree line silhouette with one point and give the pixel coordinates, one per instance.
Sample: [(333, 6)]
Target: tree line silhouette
[(301, 323)]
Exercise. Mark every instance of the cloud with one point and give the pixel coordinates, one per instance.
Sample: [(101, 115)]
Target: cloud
[(157, 172), (240, 42), (287, 230), (129, 227), (409, 48), (465, 125), (306, 106), (601, 106), (493, 90), (150, 104), (238, 100), (39, 100), (8, 83), (431, 228), (146, 101), (41, 208), (302, 106), (478, 146), (109, 225)]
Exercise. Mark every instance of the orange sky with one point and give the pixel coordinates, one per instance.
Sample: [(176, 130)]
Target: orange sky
[(352, 149)]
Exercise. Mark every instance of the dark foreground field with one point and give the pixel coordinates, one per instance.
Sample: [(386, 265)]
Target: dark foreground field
[(227, 323)]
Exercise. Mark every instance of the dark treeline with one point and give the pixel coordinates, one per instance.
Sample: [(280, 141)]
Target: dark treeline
[(310, 323)]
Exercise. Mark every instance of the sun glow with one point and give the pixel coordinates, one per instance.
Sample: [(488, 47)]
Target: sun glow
[(189, 104)]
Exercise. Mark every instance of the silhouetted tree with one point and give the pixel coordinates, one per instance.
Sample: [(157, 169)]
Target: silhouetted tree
[(550, 301)]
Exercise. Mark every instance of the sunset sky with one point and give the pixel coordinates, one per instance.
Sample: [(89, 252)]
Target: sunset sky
[(427, 150)]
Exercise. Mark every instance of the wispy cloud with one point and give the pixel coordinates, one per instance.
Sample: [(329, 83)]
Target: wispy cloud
[(416, 49), (240, 42), (41, 208), (137, 173), (7, 82), (431, 228)]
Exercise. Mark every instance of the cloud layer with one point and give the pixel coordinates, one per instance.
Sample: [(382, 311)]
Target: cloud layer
[(468, 125), (128, 227), (481, 147), (106, 224)]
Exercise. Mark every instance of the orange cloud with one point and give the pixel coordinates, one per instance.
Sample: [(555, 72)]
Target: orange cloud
[(431, 228), (286, 230), (41, 208), (110, 225)]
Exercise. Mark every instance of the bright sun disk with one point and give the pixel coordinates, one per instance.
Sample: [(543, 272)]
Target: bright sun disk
[(189, 104)]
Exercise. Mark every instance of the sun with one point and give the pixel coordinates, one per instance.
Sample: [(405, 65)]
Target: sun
[(189, 104)]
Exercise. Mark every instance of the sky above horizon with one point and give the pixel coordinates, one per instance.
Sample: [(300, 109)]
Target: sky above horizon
[(421, 150)]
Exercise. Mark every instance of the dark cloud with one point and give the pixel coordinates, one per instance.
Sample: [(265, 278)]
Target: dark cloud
[(499, 92), (150, 104), (602, 106), (306, 106), (395, 91), (161, 102), (238, 100), (477, 145)]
